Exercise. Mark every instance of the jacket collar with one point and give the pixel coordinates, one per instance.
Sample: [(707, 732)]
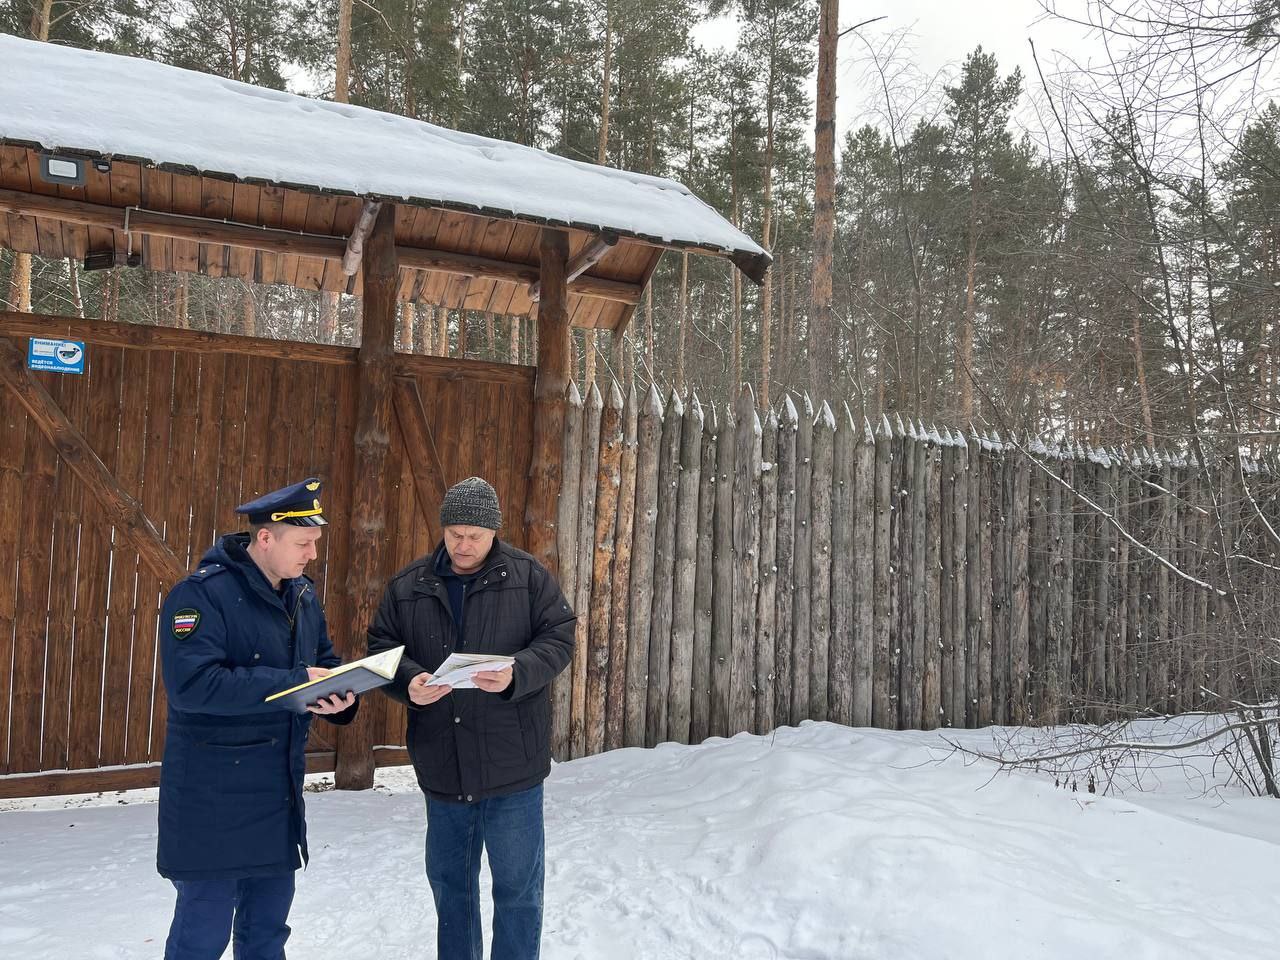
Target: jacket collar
[(437, 567), (232, 551)]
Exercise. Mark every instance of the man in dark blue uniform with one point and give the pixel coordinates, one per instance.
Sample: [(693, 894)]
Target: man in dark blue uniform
[(244, 625)]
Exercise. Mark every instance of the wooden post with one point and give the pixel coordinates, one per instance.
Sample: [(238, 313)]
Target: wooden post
[(368, 523), (649, 433), (959, 572), (1161, 698), (592, 413), (899, 582), (766, 608), (820, 562), (1000, 502), (801, 637), (1067, 578), (722, 579), (921, 555), (620, 620), (1054, 591), (567, 548), (946, 578), (664, 566), (975, 586), (1128, 587), (679, 702), (882, 702), (931, 654), (700, 674), (843, 560), (784, 554), (1019, 610), (1040, 585), (541, 511), (608, 481), (746, 552)]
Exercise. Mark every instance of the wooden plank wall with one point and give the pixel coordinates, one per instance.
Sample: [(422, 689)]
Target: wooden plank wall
[(893, 574), (192, 433)]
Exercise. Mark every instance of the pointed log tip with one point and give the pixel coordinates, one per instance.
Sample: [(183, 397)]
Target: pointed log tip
[(885, 429), (826, 417), (615, 395), (653, 400), (675, 406), (789, 413), (574, 394), (808, 405), (594, 400)]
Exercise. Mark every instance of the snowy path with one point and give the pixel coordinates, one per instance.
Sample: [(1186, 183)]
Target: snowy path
[(818, 842)]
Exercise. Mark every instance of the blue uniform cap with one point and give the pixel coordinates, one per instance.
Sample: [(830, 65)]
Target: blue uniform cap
[(298, 504)]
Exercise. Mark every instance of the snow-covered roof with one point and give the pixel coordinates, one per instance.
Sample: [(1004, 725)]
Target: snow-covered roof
[(59, 98)]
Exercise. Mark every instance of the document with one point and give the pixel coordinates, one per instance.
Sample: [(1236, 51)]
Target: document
[(458, 669)]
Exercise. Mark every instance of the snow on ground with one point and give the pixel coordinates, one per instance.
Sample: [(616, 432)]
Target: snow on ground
[(814, 842)]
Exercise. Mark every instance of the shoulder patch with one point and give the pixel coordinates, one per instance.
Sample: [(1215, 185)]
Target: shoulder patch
[(185, 622), (205, 571)]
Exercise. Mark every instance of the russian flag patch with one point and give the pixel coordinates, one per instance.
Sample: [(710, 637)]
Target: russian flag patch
[(185, 623)]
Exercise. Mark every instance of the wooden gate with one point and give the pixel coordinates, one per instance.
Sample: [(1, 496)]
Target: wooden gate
[(192, 424)]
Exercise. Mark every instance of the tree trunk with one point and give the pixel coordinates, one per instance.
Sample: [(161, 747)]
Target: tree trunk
[(684, 322), (964, 336), (602, 149), (824, 223), (1140, 367), (342, 72), (249, 312)]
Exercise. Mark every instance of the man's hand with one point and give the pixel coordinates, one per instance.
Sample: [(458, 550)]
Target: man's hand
[(423, 695), (335, 704), (492, 681), (315, 673)]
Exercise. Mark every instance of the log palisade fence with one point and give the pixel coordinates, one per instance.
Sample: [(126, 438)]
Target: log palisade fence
[(734, 572)]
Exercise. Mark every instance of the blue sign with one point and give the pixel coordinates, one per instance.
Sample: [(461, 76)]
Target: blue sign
[(60, 356)]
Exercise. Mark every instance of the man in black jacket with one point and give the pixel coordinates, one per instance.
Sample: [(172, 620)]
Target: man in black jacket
[(482, 753)]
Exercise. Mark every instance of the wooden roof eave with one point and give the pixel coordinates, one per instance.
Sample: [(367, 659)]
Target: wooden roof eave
[(754, 265)]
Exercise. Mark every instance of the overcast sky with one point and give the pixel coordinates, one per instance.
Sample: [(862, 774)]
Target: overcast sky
[(943, 32)]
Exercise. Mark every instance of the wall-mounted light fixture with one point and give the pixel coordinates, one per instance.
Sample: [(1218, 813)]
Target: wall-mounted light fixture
[(63, 170), (106, 259)]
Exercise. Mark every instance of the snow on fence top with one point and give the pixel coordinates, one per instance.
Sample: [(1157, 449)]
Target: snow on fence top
[(59, 98)]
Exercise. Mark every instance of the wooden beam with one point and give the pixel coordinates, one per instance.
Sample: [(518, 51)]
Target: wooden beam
[(139, 337), (420, 452), (368, 523), (549, 402), (173, 225), (466, 265), (355, 242), (271, 240), (592, 254), (134, 777), (123, 511)]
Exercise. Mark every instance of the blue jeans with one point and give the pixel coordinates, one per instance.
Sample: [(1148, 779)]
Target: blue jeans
[(510, 829), (209, 912)]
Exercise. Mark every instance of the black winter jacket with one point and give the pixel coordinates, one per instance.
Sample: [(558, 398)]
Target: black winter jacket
[(470, 744)]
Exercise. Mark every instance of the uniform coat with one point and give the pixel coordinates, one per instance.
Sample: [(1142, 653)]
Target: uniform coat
[(231, 783)]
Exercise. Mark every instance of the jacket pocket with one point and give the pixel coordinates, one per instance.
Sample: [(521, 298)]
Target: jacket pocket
[(535, 724), (504, 736), (254, 765)]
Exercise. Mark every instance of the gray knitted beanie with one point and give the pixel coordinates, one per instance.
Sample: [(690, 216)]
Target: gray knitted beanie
[(471, 503)]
